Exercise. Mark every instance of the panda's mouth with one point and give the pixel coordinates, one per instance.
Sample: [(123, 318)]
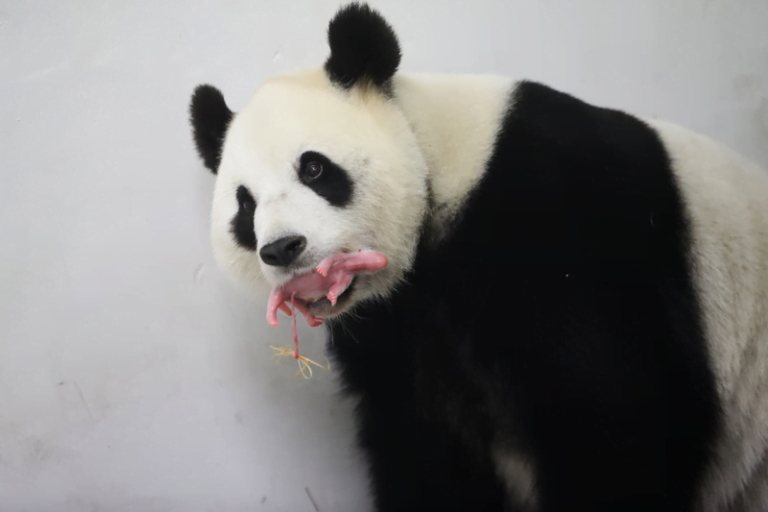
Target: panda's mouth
[(323, 307), (322, 292)]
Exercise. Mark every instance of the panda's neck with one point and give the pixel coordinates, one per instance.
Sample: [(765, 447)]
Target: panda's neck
[(455, 119)]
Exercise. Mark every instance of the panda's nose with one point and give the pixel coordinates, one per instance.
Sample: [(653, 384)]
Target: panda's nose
[(284, 251)]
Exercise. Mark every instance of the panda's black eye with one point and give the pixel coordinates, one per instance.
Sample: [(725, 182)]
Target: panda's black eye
[(245, 200), (313, 170)]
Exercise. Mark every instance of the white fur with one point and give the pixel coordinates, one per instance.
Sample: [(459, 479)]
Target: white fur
[(518, 475), (455, 119), (727, 199)]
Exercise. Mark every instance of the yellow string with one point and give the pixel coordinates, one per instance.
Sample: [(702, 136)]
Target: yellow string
[(305, 370)]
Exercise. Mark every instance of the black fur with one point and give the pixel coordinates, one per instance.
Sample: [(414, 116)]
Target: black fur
[(210, 117), (556, 320), (334, 184), (242, 222), (363, 47)]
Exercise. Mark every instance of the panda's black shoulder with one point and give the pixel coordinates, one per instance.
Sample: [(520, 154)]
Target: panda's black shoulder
[(565, 138), (572, 128), (588, 182)]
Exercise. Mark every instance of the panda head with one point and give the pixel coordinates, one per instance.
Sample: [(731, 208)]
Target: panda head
[(319, 162)]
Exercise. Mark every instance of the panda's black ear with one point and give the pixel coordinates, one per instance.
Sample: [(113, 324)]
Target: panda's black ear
[(363, 47), (210, 117)]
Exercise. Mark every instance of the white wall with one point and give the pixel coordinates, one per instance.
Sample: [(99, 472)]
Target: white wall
[(133, 377)]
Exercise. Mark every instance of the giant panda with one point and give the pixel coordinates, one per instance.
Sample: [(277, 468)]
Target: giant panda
[(574, 310)]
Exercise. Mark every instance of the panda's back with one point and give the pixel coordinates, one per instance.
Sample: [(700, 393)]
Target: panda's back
[(726, 198)]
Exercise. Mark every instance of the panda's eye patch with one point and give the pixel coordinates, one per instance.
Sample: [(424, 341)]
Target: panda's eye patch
[(242, 222), (327, 179)]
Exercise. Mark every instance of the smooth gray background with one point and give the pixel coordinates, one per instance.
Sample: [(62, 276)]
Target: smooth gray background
[(133, 376)]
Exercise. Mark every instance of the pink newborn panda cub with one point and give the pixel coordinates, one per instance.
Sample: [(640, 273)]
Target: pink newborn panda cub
[(330, 279)]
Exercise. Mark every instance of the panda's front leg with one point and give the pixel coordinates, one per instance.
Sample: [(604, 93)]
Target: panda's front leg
[(418, 466)]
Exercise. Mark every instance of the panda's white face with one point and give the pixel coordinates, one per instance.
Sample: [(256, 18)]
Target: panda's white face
[(308, 170)]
